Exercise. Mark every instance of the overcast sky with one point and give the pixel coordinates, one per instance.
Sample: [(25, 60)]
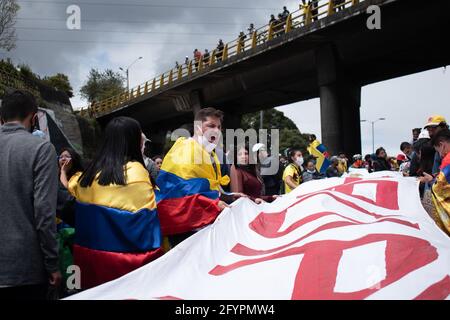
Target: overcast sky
[(114, 33)]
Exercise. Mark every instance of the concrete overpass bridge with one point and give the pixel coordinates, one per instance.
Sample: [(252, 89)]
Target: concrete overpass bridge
[(317, 52)]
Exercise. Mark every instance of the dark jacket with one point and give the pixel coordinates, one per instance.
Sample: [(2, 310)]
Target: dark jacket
[(332, 172), (28, 189), (381, 164)]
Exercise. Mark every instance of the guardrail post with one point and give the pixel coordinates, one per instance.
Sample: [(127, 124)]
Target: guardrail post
[(239, 46), (288, 23), (146, 87), (161, 81), (270, 34), (355, 2), (330, 7), (154, 85), (200, 64), (190, 68), (180, 72), (170, 77), (138, 93), (212, 59), (254, 39), (308, 14), (225, 53)]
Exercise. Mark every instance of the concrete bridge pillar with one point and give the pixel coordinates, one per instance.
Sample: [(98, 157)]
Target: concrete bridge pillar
[(340, 101), (158, 141)]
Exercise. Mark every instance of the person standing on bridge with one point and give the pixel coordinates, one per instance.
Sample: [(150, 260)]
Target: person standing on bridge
[(285, 14), (339, 5), (190, 181), (251, 29), (314, 4), (220, 48), (197, 58), (206, 58), (241, 40)]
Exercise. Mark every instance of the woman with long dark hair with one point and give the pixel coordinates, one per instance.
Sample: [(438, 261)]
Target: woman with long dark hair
[(69, 162), (117, 226), (246, 177)]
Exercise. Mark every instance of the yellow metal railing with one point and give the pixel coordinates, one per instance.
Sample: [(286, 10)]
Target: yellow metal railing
[(305, 15)]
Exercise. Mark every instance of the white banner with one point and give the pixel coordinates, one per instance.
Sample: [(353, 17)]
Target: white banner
[(340, 238)]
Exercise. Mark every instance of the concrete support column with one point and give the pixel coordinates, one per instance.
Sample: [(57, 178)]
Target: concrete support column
[(340, 118), (196, 100), (158, 142), (232, 120), (340, 100)]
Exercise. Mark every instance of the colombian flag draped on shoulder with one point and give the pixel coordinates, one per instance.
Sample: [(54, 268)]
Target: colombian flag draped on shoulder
[(441, 195), (189, 187), (319, 151), (117, 227)]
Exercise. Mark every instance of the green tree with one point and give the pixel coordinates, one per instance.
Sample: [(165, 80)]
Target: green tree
[(102, 85), (61, 82), (8, 18), (290, 135)]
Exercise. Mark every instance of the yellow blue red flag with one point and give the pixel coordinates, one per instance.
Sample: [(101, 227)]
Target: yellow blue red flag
[(189, 187), (319, 151), (117, 227)]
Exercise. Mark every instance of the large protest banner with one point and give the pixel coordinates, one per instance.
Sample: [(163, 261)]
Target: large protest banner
[(362, 237)]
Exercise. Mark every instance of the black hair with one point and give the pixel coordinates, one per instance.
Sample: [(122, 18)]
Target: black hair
[(157, 157), (404, 145), (441, 136), (367, 157), (291, 153), (419, 143), (17, 106), (77, 164), (427, 153), (121, 144), (419, 130), (378, 151), (310, 161)]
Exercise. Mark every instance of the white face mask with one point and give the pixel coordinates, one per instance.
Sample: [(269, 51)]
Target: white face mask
[(299, 161), (209, 146), (311, 171)]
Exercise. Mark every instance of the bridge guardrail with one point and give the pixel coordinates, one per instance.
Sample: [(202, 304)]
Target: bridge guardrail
[(301, 17)]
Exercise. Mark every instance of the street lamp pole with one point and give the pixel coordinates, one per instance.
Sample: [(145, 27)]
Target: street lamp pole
[(373, 131), (127, 72)]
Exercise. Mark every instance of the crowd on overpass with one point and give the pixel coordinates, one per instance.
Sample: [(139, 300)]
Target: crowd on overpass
[(278, 23), (58, 206)]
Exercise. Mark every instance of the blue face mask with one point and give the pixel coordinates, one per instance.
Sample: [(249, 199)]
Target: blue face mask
[(38, 133)]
